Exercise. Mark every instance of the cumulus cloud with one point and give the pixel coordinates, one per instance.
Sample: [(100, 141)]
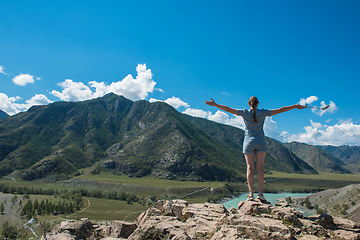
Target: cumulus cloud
[(331, 109), (196, 112), (219, 117), (2, 70), (11, 106), (271, 129), (38, 99), (173, 101), (343, 133), (176, 102), (73, 91), (7, 104), (308, 100), (24, 79), (131, 88), (317, 110)]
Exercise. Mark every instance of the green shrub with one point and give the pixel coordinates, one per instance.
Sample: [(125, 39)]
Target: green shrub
[(154, 234)]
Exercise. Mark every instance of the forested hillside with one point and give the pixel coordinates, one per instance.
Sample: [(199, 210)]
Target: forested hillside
[(135, 138)]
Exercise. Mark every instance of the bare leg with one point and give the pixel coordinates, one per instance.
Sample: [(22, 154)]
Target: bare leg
[(250, 161), (260, 159)]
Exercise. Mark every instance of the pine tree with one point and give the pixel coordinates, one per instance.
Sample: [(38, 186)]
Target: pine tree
[(2, 208)]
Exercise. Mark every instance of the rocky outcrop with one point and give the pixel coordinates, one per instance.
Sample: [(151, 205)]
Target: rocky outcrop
[(40, 169), (179, 220), (85, 229)]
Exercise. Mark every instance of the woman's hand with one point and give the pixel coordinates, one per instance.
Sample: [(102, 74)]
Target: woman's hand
[(210, 103), (298, 106), (222, 107)]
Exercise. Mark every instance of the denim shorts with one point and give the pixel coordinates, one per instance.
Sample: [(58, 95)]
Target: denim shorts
[(255, 144)]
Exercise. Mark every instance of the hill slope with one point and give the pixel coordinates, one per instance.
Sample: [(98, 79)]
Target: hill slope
[(135, 138), (317, 158), (347, 154), (350, 155), (344, 202)]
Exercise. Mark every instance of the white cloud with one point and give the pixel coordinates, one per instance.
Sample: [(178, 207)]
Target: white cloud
[(173, 101), (317, 110), (38, 99), (152, 100), (7, 104), (331, 109), (11, 107), (2, 70), (176, 102), (196, 112), (24, 79), (342, 133), (219, 117), (131, 88), (315, 125), (308, 100), (73, 91), (271, 129)]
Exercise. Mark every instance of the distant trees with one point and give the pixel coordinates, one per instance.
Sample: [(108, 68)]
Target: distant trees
[(31, 209)]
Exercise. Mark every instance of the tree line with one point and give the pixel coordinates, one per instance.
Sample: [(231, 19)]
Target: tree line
[(68, 194)]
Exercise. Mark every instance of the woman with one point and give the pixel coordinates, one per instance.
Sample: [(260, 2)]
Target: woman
[(255, 145)]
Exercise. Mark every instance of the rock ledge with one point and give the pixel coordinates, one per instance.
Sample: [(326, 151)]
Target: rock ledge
[(179, 220)]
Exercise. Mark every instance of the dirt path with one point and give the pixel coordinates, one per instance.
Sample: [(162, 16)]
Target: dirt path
[(131, 214), (85, 207), (195, 192)]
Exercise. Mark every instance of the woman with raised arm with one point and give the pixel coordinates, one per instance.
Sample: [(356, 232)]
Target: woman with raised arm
[(255, 145)]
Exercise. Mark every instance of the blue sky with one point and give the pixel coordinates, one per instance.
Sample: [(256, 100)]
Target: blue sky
[(186, 52)]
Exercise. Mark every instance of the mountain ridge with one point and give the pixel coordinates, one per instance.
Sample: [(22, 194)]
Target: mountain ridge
[(317, 158), (134, 138)]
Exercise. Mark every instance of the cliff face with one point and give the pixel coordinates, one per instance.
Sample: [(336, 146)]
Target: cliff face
[(178, 219)]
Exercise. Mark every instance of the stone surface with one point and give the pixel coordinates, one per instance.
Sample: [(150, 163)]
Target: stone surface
[(179, 220)]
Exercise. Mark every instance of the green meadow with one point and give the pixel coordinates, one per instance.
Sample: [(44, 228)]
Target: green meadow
[(146, 181)]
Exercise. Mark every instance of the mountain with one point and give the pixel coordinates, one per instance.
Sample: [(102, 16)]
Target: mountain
[(279, 157), (135, 138), (3, 114), (317, 158), (350, 155), (347, 154)]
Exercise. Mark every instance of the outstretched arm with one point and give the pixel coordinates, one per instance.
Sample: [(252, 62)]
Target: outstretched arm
[(222, 107), (285, 109)]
